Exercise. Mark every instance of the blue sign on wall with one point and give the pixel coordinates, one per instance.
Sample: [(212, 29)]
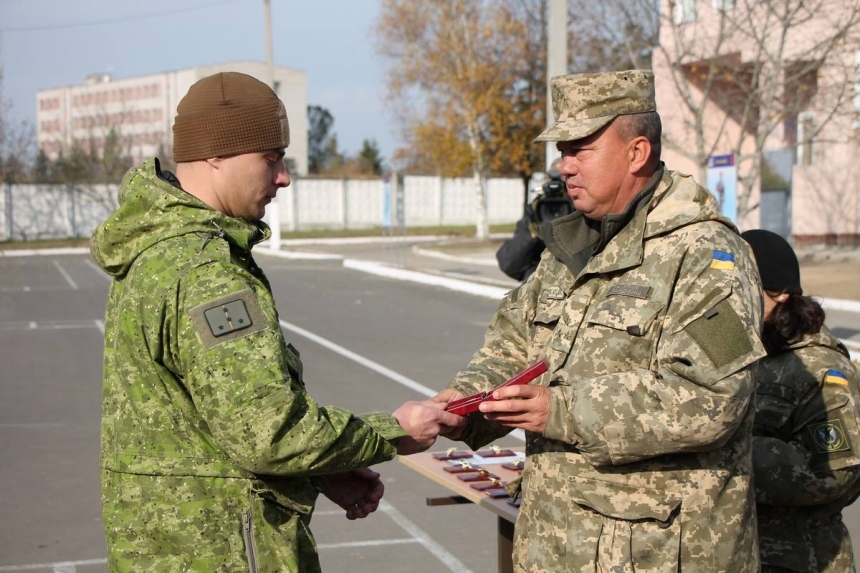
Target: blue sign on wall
[(722, 180)]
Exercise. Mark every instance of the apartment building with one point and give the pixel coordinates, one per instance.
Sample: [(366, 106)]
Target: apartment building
[(782, 94), (141, 110)]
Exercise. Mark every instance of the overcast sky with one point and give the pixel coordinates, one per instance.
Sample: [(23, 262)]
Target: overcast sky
[(42, 46)]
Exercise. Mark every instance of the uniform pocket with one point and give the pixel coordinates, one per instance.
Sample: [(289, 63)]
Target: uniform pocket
[(641, 527), (620, 335)]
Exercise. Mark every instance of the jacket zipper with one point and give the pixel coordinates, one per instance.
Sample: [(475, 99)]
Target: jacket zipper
[(248, 534)]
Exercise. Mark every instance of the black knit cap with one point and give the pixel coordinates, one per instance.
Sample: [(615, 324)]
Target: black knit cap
[(777, 263), (228, 114)]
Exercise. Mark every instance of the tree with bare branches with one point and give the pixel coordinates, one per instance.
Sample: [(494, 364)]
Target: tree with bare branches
[(745, 73)]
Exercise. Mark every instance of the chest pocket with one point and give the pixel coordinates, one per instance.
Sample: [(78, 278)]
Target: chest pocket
[(555, 327), (619, 335)]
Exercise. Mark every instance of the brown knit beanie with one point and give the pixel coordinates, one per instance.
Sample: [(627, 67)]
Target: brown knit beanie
[(228, 114)]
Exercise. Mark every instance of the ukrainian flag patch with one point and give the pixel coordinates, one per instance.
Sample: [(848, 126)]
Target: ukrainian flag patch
[(723, 261), (835, 377)]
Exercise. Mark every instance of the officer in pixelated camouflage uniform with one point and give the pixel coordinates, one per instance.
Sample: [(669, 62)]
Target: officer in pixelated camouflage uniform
[(806, 444), (646, 307), (213, 454)]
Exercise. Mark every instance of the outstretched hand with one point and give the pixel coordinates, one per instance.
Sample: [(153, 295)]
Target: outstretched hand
[(524, 406), (424, 421), (444, 398), (358, 491)]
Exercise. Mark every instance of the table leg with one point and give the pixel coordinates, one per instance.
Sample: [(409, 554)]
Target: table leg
[(506, 546)]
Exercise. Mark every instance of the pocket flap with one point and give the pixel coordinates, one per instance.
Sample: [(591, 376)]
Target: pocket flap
[(622, 501), (549, 311), (630, 314)]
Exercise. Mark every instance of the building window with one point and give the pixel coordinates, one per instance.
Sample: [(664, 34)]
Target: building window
[(806, 147), (685, 11), (724, 5)]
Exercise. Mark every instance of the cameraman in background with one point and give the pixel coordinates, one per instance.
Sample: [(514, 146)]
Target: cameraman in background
[(519, 256)]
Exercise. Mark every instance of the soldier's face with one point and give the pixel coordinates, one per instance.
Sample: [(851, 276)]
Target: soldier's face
[(596, 170), (247, 183)]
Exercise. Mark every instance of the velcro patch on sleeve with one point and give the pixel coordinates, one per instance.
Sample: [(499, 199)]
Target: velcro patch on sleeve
[(227, 318), (720, 334), (829, 437)]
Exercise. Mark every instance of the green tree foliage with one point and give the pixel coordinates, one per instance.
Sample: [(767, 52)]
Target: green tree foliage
[(322, 142), (369, 158)]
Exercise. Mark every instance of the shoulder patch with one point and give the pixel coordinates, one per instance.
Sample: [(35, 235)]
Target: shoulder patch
[(829, 437), (834, 376), (722, 260), (232, 316)]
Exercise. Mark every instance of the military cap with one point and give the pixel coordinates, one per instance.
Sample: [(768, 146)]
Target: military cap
[(226, 114), (584, 103), (777, 263)]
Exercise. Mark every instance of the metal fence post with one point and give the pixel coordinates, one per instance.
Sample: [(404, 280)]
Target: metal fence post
[(9, 220)]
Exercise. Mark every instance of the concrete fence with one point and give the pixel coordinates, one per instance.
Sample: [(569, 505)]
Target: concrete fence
[(31, 212)]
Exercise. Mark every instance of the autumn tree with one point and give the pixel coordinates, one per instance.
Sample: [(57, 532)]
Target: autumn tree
[(453, 57), (743, 72)]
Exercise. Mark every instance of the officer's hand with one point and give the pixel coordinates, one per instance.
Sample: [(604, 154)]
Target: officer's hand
[(525, 407), (357, 491), (445, 397), (424, 421)]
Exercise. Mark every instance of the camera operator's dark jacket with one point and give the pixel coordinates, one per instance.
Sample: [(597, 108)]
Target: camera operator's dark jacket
[(519, 256)]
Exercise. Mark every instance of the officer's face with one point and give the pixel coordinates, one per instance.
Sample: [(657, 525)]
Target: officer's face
[(597, 172), (247, 183)]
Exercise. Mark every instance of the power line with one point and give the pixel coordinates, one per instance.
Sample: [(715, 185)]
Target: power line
[(115, 20)]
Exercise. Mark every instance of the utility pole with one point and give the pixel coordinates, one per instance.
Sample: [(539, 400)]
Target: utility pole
[(273, 213), (556, 59), (270, 59)]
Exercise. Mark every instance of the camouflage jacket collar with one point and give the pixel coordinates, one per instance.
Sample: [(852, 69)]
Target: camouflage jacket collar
[(823, 338), (676, 201), (152, 210)]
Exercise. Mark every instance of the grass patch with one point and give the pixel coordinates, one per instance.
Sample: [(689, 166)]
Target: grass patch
[(44, 244), (464, 231)]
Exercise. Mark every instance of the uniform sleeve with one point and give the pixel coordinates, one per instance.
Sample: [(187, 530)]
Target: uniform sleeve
[(503, 355), (698, 388), (246, 384), (806, 447), (783, 475)]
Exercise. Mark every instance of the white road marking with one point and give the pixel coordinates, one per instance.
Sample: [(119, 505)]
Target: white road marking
[(375, 366), (366, 362), (432, 546), (369, 543), (58, 566), (98, 269), (486, 291), (52, 325), (66, 276)]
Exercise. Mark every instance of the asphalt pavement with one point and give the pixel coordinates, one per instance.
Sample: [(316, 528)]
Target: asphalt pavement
[(377, 323)]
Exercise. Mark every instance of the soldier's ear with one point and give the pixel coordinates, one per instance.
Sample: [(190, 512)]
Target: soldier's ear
[(639, 152)]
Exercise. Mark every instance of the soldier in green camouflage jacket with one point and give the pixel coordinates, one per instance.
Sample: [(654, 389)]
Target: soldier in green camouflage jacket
[(646, 307), (213, 453), (806, 447)]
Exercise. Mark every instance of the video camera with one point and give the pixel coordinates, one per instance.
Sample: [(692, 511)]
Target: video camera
[(551, 203)]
